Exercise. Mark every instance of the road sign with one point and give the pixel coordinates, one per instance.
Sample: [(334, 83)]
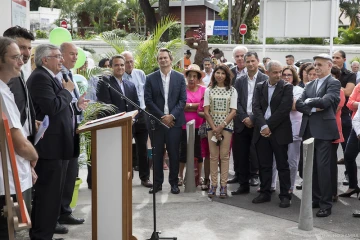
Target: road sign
[(63, 24), (243, 29)]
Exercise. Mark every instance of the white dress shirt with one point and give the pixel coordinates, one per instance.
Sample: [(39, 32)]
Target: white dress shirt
[(166, 84), (318, 85), (121, 85), (251, 89), (271, 89), (207, 77)]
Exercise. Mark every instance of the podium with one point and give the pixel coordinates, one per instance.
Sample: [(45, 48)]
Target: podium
[(111, 161)]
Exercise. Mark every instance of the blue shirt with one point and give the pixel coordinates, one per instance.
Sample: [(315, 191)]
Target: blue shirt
[(271, 89), (137, 77)]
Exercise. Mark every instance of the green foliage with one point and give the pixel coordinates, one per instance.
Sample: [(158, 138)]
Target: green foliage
[(35, 4), (175, 31), (145, 50), (355, 59), (41, 34), (216, 40), (120, 32), (315, 41), (348, 36)]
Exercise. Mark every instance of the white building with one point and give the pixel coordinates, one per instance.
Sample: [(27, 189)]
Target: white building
[(44, 18), (14, 12)]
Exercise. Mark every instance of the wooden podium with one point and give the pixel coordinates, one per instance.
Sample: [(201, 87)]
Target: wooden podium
[(111, 161)]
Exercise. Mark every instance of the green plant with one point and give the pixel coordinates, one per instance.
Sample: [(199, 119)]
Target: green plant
[(348, 36), (41, 34), (355, 59), (217, 40), (145, 50)]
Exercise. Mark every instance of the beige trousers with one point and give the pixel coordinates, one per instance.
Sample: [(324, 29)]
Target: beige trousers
[(223, 152)]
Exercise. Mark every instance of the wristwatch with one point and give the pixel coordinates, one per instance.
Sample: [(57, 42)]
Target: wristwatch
[(190, 105)]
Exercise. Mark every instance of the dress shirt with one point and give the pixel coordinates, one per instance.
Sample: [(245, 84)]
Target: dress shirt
[(166, 84), (207, 77), (251, 89), (240, 73), (137, 77), (357, 77), (318, 85), (121, 85), (271, 89)]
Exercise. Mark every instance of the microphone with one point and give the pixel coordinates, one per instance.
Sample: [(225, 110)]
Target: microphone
[(64, 75)]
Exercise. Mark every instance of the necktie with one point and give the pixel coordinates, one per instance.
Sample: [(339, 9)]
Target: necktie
[(75, 91)]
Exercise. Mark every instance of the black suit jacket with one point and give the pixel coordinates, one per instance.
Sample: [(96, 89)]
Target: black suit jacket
[(155, 100), (322, 124), (49, 98), (22, 99), (280, 105), (241, 86)]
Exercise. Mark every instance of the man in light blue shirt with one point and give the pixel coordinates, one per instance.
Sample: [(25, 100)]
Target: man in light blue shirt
[(140, 160)]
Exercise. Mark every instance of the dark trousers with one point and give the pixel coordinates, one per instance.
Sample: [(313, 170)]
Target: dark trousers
[(71, 175), (351, 152), (141, 136), (183, 147), (266, 148), (334, 168), (4, 233), (47, 200), (242, 154), (346, 129), (301, 160), (171, 137), (321, 189)]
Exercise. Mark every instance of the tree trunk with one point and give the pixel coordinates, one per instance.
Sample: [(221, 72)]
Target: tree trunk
[(236, 17), (164, 12), (149, 13)]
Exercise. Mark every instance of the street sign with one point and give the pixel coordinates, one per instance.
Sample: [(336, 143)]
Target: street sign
[(63, 24), (243, 29)]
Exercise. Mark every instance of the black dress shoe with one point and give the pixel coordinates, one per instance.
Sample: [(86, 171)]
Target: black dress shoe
[(58, 239), (233, 180), (147, 183), (175, 189), (356, 214), (254, 182), (155, 189), (70, 219), (60, 229), (136, 168), (285, 203), (324, 212), (241, 190), (315, 205), (261, 198)]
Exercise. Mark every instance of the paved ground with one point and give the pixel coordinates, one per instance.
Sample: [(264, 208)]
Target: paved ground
[(191, 216)]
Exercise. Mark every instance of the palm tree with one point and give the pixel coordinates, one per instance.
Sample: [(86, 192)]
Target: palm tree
[(145, 50), (352, 11)]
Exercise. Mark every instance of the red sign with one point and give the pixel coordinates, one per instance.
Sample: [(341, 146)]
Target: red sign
[(63, 24), (243, 29), (21, 2)]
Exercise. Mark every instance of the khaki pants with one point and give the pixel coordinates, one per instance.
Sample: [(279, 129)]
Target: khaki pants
[(223, 152)]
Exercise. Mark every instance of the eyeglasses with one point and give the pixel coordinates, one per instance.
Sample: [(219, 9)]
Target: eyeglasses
[(18, 58), (287, 75), (56, 56)]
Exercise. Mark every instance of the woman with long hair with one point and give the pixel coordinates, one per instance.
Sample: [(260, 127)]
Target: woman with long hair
[(220, 104)]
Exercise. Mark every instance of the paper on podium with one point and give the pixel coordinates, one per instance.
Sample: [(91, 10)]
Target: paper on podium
[(42, 128)]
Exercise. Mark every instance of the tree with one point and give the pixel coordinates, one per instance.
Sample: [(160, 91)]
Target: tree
[(149, 13), (35, 4), (68, 10), (101, 13), (351, 9), (163, 12), (244, 11)]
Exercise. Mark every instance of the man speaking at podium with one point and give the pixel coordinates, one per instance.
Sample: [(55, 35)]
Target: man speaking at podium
[(165, 98)]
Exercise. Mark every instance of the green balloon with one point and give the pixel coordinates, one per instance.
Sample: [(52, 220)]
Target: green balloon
[(59, 35), (81, 58)]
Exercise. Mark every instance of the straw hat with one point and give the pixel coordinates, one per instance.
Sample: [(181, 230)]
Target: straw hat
[(194, 68)]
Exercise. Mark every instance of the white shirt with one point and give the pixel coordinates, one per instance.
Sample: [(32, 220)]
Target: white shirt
[(318, 85), (240, 73), (356, 123), (251, 89), (166, 84), (121, 85), (295, 116), (11, 111), (357, 77), (207, 77)]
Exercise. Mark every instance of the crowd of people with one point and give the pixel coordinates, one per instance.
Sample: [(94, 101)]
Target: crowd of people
[(261, 112)]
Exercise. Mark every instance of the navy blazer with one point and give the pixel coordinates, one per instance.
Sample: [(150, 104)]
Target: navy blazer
[(50, 98), (110, 96), (155, 100)]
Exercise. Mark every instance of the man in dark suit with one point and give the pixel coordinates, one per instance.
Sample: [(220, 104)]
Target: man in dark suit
[(318, 104), (165, 98), (69, 53), (58, 145), (272, 133), (244, 121), (239, 70)]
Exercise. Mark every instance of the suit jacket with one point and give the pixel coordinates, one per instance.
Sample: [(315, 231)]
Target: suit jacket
[(49, 98), (155, 100), (241, 86), (22, 99), (233, 80), (280, 105), (322, 124)]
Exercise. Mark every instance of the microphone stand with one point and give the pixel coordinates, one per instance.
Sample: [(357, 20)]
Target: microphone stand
[(153, 120)]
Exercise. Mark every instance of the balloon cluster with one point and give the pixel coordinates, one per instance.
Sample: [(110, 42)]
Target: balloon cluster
[(60, 35)]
